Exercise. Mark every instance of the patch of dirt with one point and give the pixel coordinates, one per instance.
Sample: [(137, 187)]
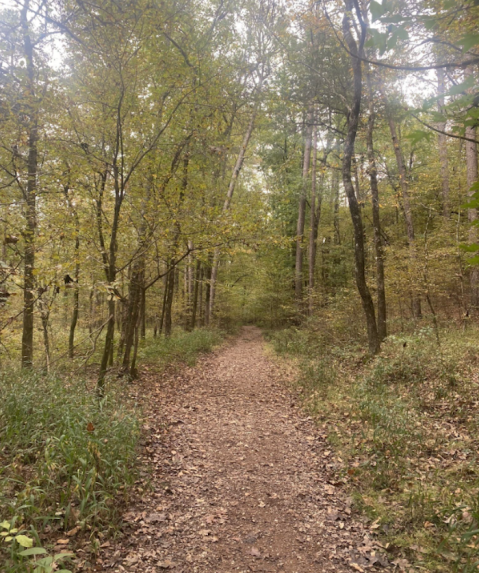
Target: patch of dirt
[(241, 479)]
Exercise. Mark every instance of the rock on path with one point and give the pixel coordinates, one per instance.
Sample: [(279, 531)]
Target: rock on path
[(241, 478)]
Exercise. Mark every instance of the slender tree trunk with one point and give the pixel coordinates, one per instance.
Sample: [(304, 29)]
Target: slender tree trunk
[(110, 271), (378, 245), (44, 315), (472, 177), (442, 144), (169, 300), (207, 276), (315, 216), (353, 121), (76, 287), (335, 194), (299, 254), (406, 202), (30, 196), (143, 313), (163, 307), (133, 368), (226, 206), (132, 318), (200, 297), (195, 294)]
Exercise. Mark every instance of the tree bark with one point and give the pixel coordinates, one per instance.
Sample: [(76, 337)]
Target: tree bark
[(226, 206), (353, 121), (30, 195), (170, 293), (472, 177), (315, 217), (442, 144), (407, 210), (378, 245), (195, 294), (298, 267)]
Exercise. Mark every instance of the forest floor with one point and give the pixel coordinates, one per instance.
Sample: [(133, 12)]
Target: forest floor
[(236, 477)]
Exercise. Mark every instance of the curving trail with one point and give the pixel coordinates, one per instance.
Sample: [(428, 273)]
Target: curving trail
[(241, 479)]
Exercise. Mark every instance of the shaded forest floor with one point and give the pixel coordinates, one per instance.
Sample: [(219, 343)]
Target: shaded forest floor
[(236, 477)]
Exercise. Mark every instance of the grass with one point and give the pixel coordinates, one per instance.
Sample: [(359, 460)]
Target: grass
[(67, 458), (405, 427), (181, 347)]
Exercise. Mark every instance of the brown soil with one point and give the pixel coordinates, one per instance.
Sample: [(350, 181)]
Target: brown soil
[(240, 478)]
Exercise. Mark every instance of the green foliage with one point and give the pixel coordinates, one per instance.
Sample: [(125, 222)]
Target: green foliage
[(181, 346), (66, 454), (405, 429), (26, 559)]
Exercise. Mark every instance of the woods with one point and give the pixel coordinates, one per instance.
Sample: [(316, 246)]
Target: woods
[(171, 171), (124, 147)]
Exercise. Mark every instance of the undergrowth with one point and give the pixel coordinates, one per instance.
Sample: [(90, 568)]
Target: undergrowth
[(67, 458), (405, 429), (182, 347)]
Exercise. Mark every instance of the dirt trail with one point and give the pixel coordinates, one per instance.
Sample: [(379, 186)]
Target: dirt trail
[(241, 479)]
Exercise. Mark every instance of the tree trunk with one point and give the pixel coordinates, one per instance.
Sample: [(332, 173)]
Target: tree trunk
[(163, 307), (226, 206), (30, 195), (378, 245), (195, 295), (76, 291), (298, 267), (335, 194), (170, 293), (44, 315), (442, 144), (315, 216), (132, 315), (416, 300), (472, 176), (143, 313), (109, 262), (353, 121), (207, 276)]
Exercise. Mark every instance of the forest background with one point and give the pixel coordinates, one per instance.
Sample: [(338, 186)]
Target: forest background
[(171, 170)]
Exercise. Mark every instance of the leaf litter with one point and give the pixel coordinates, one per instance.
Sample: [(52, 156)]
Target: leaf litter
[(235, 477)]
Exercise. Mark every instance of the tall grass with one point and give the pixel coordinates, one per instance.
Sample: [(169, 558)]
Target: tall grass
[(65, 455), (181, 347)]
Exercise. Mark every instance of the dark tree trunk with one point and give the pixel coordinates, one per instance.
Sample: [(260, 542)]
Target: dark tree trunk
[(195, 294), (163, 306), (353, 121), (170, 293), (143, 313), (132, 313)]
